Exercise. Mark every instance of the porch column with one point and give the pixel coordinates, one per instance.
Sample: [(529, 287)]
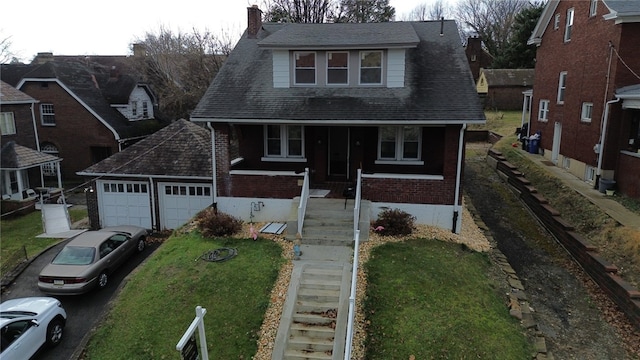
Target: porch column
[(59, 175)]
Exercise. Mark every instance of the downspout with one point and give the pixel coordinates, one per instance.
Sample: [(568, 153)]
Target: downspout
[(605, 118), (35, 133), (153, 205), (456, 206), (213, 166), (602, 138)]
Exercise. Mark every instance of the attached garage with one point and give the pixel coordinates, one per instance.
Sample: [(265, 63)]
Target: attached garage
[(179, 202), (124, 203)]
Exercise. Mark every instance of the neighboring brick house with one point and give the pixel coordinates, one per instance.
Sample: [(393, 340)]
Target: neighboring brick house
[(477, 56), (85, 112), (21, 160), (389, 99), (501, 89), (586, 97)]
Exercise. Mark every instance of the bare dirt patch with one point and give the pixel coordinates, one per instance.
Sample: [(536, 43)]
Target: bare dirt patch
[(577, 320)]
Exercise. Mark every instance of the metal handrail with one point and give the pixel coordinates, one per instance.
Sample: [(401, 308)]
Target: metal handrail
[(352, 299), (304, 197), (354, 271)]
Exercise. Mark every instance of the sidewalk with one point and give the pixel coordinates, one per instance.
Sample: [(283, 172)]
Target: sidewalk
[(610, 206)]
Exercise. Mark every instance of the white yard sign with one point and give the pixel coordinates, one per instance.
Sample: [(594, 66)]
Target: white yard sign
[(187, 344)]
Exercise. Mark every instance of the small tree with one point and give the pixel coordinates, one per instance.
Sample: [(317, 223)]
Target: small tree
[(363, 11), (517, 54)]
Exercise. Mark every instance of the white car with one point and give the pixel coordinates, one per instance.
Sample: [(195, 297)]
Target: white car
[(26, 324)]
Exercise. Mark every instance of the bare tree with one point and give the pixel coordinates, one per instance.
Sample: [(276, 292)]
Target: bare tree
[(491, 20), (180, 66), (424, 12), (298, 11), (6, 55)]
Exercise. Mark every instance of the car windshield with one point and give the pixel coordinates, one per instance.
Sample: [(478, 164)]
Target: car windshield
[(75, 255)]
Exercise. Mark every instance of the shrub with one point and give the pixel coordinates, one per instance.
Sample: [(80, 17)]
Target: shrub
[(215, 224), (394, 222)]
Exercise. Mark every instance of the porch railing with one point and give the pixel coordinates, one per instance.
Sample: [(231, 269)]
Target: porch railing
[(304, 197), (354, 271)]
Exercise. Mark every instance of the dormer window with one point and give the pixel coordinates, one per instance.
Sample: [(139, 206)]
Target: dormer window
[(305, 70), (338, 68), (371, 67)]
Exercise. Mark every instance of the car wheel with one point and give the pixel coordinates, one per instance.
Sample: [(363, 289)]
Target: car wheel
[(141, 244), (102, 280), (54, 332)]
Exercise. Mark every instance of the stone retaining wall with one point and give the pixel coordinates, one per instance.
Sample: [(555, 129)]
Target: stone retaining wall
[(599, 269)]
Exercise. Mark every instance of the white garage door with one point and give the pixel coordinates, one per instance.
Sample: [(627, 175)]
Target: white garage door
[(124, 203), (179, 202)]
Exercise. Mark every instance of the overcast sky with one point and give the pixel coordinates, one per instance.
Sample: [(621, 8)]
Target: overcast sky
[(73, 27)]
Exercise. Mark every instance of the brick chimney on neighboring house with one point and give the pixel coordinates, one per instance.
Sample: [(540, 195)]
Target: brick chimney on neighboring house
[(254, 21), (42, 58), (139, 50)]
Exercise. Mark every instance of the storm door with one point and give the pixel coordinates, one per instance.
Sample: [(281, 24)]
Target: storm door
[(338, 153)]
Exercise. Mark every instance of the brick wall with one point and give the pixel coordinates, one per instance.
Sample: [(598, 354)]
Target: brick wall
[(599, 269), (412, 191), (76, 129), (264, 186), (504, 98), (92, 206), (25, 134), (628, 182)]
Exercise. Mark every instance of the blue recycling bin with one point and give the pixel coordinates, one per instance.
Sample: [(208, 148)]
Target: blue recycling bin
[(533, 146)]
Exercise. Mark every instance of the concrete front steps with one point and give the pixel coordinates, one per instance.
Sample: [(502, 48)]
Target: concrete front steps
[(328, 222), (313, 324)]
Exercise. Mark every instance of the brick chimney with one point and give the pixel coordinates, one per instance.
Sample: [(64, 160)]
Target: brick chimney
[(139, 50), (42, 58), (254, 21)]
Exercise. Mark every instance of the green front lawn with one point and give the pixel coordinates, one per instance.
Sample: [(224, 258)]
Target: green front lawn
[(428, 299), (22, 231), (158, 304)]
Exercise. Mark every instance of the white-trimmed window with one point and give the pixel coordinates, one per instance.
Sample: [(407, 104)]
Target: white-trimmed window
[(543, 111), (145, 109), (371, 67), (7, 123), (399, 143), (590, 174), (593, 8), (49, 169), (305, 68), (556, 22), (47, 114), (284, 141), (587, 108), (562, 87), (134, 109), (569, 25), (338, 68)]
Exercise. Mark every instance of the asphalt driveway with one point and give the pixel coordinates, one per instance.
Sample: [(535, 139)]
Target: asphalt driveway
[(83, 311)]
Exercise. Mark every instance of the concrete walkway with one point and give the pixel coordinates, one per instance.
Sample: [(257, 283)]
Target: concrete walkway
[(610, 206), (316, 257)]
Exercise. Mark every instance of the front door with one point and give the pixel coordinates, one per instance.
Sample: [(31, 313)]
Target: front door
[(338, 153)]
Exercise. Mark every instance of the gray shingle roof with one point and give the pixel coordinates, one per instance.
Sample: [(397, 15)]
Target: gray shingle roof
[(439, 85), (14, 156), (509, 77), (180, 149), (85, 84), (624, 7), (11, 95), (367, 35)]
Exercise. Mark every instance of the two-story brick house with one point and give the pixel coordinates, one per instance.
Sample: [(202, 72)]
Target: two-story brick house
[(586, 97), (86, 112), (21, 160), (389, 99)]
